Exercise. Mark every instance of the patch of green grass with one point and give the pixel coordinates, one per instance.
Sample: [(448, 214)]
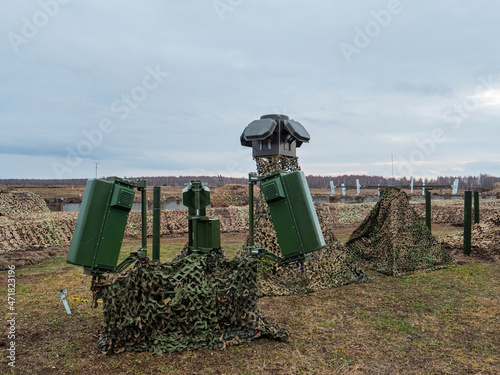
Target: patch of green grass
[(53, 264), (170, 248), (450, 314), (390, 322), (327, 324)]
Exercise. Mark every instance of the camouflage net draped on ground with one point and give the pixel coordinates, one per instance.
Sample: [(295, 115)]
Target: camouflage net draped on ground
[(29, 232), (327, 267), (451, 212), (21, 202), (196, 301), (495, 189), (229, 195), (485, 239), (394, 239)]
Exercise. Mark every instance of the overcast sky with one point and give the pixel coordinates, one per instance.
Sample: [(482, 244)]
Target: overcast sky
[(167, 87)]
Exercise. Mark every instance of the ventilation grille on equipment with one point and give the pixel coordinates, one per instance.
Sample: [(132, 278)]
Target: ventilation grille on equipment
[(126, 198), (123, 197), (272, 191)]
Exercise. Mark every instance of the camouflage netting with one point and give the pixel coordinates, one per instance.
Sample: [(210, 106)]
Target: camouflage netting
[(341, 215), (327, 267), (485, 240), (196, 301), (495, 189), (36, 231), (28, 238), (229, 195), (21, 202), (173, 222), (452, 211), (394, 239), (29, 232)]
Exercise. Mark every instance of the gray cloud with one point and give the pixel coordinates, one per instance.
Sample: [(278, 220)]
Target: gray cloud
[(423, 63)]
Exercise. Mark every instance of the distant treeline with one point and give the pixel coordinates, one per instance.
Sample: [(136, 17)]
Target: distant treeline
[(482, 181)]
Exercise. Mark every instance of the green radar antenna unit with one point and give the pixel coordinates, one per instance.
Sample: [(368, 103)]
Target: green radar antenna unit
[(293, 215), (287, 194), (101, 223)]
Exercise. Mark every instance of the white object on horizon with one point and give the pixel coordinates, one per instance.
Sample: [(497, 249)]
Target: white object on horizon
[(455, 186)]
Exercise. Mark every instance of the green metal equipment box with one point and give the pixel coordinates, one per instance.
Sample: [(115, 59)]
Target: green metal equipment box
[(204, 233), (100, 226), (292, 211), (208, 235)]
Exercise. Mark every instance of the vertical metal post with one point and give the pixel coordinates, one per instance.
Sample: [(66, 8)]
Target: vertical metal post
[(144, 212), (250, 212), (476, 207), (156, 224), (467, 222), (428, 209), (197, 205)]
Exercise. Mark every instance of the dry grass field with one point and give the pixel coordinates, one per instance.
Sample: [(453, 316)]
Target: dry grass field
[(67, 192), (440, 322)]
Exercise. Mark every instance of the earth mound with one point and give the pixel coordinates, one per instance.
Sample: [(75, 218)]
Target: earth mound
[(394, 240), (21, 202), (229, 195), (495, 189), (485, 240)]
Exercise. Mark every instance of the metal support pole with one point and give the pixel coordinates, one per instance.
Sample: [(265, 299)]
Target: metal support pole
[(250, 213), (428, 209), (144, 212), (476, 207), (156, 224), (467, 222)]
